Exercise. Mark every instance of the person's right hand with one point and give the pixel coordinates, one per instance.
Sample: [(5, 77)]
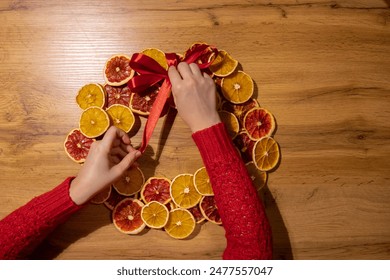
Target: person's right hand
[(194, 95)]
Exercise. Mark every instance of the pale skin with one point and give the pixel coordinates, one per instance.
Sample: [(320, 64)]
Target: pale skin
[(195, 99)]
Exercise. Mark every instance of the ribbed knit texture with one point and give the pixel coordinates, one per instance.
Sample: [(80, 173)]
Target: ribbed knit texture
[(242, 213), (25, 228)]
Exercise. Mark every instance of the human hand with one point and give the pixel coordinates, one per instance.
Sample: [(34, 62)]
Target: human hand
[(194, 95), (106, 162)]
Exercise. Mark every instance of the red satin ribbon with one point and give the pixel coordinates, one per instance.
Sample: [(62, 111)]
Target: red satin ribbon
[(151, 72)]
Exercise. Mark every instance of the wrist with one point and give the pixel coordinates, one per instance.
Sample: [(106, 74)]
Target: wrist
[(78, 193), (203, 124)]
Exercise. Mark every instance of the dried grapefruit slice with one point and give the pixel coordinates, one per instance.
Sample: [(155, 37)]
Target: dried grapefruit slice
[(266, 154), (231, 122), (198, 216), (258, 123), (91, 95), (117, 70), (127, 216), (155, 215), (204, 58), (239, 110), (183, 191), (113, 199), (77, 145), (141, 103), (223, 64), (118, 95), (202, 182), (180, 224), (209, 210), (258, 177), (156, 189), (131, 182), (121, 116), (245, 145), (102, 196), (94, 122), (158, 56), (237, 87)]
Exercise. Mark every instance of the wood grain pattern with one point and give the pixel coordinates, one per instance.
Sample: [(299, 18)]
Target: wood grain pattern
[(321, 67)]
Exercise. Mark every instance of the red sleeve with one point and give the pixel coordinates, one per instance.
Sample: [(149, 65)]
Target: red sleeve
[(248, 232), (25, 228)]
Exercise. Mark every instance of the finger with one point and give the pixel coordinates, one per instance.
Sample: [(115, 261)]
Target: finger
[(195, 69), (112, 135), (118, 170), (184, 70), (174, 75), (118, 152)]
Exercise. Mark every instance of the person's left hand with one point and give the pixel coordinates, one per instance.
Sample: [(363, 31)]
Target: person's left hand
[(106, 162)]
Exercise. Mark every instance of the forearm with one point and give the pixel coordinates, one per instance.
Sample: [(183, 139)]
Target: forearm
[(247, 229), (25, 228)]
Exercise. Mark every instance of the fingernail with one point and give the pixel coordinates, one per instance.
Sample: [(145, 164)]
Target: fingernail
[(137, 153)]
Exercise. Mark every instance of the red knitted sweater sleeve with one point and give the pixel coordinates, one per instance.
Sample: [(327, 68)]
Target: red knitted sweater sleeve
[(248, 232), (25, 228)]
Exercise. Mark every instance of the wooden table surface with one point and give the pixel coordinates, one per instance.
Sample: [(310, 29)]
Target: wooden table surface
[(321, 67)]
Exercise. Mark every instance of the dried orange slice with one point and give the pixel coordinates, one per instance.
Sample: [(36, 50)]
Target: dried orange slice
[(101, 196), (223, 64), (94, 122), (158, 56), (237, 87), (117, 70), (209, 210), (126, 216), (155, 215), (258, 123), (118, 95), (266, 154), (245, 145), (91, 95), (180, 224), (131, 182), (258, 177), (183, 191), (239, 110), (198, 216), (231, 122), (121, 116), (77, 145), (202, 182), (141, 103), (156, 189)]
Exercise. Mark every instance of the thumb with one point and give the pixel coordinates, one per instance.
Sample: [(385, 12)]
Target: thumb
[(117, 170)]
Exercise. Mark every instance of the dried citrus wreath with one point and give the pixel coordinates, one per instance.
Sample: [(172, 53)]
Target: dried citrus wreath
[(138, 85)]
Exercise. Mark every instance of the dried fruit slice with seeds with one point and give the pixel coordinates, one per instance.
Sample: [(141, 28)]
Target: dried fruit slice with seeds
[(155, 215), (231, 123), (209, 210), (121, 116), (101, 196), (91, 95), (266, 154), (198, 216), (202, 182), (258, 177), (239, 110), (131, 181), (118, 95), (126, 216), (180, 224), (245, 145), (156, 189), (238, 87), (183, 191), (258, 123), (113, 199), (141, 103), (77, 146), (94, 122), (224, 64), (117, 70)]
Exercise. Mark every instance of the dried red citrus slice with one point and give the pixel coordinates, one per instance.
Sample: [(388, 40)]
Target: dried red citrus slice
[(141, 103), (155, 215), (91, 95), (202, 182), (209, 210), (117, 70), (183, 191), (245, 145), (180, 224), (239, 110), (258, 123), (127, 216), (94, 122), (121, 116), (156, 189), (231, 123), (113, 199), (118, 95), (157, 55), (266, 154), (102, 196), (77, 145), (224, 64), (204, 58), (237, 87), (198, 216), (131, 182), (258, 177)]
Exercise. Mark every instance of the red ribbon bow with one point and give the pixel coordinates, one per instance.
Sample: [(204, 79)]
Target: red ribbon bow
[(151, 72)]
